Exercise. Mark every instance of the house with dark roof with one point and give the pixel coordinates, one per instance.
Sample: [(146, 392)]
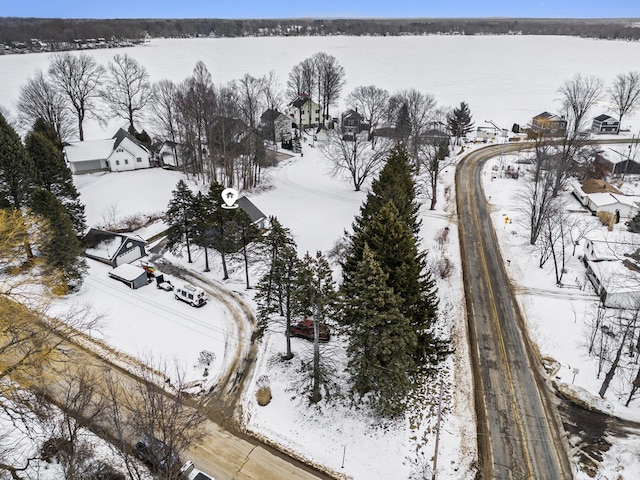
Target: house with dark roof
[(114, 249), (119, 153), (276, 126), (605, 124), (548, 125), (352, 123), (304, 112), (258, 218)]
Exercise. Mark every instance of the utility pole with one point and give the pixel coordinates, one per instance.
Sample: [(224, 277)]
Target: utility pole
[(435, 455)]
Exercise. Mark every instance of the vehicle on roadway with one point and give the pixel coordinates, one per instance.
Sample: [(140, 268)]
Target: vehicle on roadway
[(190, 472), (157, 454)]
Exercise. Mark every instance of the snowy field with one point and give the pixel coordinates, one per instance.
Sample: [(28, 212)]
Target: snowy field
[(504, 79)]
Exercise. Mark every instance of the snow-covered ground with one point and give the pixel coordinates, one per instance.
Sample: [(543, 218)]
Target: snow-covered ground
[(504, 79)]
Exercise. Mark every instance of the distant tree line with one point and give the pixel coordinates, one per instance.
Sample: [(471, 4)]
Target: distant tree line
[(67, 30)]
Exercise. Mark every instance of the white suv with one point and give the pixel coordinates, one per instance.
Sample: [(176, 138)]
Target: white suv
[(190, 472), (190, 294)]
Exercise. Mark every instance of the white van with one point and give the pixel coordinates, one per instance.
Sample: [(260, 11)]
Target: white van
[(194, 296)]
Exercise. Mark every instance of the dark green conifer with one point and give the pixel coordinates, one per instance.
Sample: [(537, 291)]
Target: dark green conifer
[(62, 250), (381, 338), (180, 219)]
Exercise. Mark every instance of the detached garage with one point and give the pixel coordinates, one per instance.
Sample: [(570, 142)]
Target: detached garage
[(113, 248), (132, 276)]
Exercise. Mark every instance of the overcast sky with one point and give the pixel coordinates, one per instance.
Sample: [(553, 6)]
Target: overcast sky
[(319, 8)]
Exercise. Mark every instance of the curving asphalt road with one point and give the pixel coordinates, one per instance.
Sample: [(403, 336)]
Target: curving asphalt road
[(519, 434)]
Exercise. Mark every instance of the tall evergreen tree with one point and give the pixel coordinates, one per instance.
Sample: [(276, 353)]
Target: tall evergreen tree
[(459, 121), (395, 183), (180, 219), (389, 224), (634, 224), (16, 168), (381, 338), (220, 221), (244, 232), (53, 174), (403, 124), (62, 250), (201, 211)]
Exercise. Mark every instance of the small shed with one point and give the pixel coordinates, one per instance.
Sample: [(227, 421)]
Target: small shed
[(132, 276), (113, 248), (605, 124)]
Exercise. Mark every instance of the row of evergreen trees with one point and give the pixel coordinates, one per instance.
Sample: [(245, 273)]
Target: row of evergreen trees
[(35, 180), (386, 305), (201, 220)]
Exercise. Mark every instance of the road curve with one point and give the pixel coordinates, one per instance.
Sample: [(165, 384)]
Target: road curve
[(519, 435)]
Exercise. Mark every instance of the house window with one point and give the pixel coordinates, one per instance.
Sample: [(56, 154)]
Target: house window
[(318, 110), (126, 161), (119, 150), (139, 159), (117, 162)]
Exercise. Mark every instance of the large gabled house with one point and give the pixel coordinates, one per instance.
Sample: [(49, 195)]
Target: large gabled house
[(121, 152), (548, 124), (305, 112)]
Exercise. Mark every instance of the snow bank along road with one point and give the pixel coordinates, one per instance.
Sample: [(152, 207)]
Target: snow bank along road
[(518, 431)]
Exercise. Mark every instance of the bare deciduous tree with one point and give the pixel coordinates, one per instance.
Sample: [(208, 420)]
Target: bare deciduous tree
[(127, 89), (434, 157), (578, 96), (78, 77), (624, 94), (371, 102), (39, 99), (420, 109), (331, 80), (356, 158), (302, 79)]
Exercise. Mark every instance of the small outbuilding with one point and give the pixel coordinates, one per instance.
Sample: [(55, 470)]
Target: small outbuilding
[(132, 276)]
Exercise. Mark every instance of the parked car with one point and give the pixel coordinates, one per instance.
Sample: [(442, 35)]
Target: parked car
[(157, 454), (304, 329), (190, 472), (194, 296)]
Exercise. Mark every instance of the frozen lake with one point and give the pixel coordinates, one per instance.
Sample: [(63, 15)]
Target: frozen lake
[(506, 79)]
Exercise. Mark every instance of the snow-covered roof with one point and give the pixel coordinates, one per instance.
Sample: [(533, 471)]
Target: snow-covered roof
[(606, 198), (89, 150), (128, 272)]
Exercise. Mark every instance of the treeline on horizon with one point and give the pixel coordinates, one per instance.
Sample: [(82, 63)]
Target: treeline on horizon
[(14, 29)]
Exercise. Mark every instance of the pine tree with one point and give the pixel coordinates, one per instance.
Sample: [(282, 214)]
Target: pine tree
[(62, 250), (389, 224), (245, 232), (403, 124), (17, 175), (634, 224), (395, 183), (53, 174), (381, 339), (201, 211), (220, 220), (459, 121), (278, 246), (180, 219)]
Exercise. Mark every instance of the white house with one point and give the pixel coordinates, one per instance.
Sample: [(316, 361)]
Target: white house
[(275, 125), (612, 269), (625, 206), (119, 153), (305, 112)]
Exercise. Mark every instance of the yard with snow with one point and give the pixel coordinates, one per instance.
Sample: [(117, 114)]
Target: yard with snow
[(503, 79)]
